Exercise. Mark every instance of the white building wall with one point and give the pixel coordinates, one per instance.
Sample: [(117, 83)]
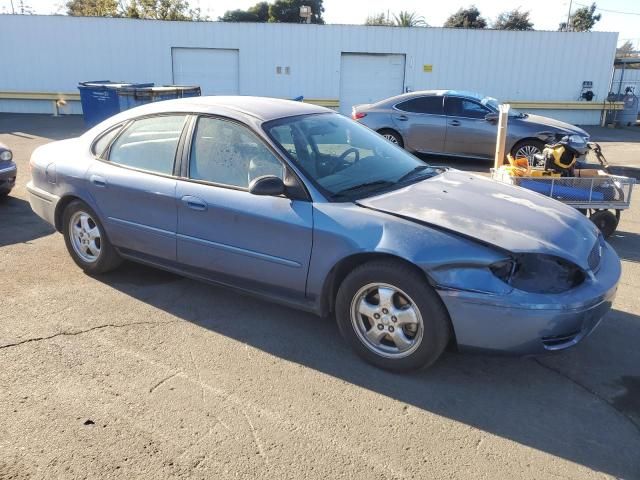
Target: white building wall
[(54, 53)]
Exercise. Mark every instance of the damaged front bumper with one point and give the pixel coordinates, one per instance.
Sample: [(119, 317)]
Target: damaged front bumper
[(524, 323)]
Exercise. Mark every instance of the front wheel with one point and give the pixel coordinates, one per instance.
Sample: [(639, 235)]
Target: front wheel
[(86, 239), (606, 221), (391, 316), (528, 149)]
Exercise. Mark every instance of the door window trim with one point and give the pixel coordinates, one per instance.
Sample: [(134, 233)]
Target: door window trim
[(462, 116)]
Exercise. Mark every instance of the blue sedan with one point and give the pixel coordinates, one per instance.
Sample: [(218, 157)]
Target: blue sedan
[(300, 205)]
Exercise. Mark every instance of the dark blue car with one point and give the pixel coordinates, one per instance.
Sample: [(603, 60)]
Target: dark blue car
[(8, 171)]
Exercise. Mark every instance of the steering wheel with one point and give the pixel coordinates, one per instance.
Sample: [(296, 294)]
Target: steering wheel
[(342, 160)]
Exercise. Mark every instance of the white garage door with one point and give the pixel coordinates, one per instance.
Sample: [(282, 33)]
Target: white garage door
[(368, 78), (214, 69)]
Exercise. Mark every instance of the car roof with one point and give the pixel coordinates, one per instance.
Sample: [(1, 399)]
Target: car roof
[(236, 107), (262, 108), (421, 93)]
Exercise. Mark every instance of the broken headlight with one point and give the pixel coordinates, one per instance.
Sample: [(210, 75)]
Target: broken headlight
[(536, 273)]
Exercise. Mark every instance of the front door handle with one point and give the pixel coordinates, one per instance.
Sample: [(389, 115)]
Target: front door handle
[(194, 203), (402, 118), (454, 123), (98, 181)]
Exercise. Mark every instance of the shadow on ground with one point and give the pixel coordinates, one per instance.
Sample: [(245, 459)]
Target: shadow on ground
[(627, 244), (28, 126), (18, 223), (523, 400)]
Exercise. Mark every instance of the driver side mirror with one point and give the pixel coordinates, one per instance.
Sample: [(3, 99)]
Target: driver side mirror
[(491, 117), (268, 185)]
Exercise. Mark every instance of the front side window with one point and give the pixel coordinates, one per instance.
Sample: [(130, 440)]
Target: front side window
[(431, 105), (149, 144), (344, 159), (227, 153), (462, 107)]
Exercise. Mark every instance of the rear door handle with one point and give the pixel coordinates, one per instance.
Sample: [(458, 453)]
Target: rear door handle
[(194, 203), (98, 181), (402, 118), (454, 123)]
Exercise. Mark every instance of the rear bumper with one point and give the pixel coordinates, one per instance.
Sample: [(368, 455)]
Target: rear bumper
[(506, 323), (43, 203)]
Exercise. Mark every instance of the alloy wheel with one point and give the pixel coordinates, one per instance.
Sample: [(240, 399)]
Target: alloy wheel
[(528, 151), (391, 138), (386, 320), (85, 236)]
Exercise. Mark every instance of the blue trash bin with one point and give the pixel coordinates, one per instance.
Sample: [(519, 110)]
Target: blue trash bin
[(134, 96), (100, 100)]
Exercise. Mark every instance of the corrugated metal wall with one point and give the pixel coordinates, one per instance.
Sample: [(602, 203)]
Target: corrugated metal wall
[(630, 78), (53, 53)]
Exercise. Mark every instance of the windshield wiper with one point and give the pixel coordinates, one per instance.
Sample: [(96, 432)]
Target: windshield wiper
[(363, 186), (411, 173)]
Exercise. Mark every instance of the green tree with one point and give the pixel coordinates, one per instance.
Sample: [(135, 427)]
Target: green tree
[(150, 9), (163, 10), (466, 18), (281, 11), (513, 20), (288, 11), (625, 50), (92, 8), (258, 13), (581, 20), (379, 19), (409, 19), (261, 11), (239, 16)]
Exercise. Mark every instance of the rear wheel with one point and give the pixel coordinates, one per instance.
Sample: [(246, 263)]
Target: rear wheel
[(392, 136), (86, 239), (391, 316)]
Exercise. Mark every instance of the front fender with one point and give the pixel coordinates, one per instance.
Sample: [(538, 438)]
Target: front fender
[(342, 230)]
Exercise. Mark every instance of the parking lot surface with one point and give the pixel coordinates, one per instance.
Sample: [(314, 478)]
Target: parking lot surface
[(142, 373)]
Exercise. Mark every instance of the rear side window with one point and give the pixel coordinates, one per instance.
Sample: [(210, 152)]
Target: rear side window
[(103, 142), (431, 105), (149, 144)]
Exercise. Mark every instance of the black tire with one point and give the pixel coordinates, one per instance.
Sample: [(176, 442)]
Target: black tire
[(392, 136), (529, 142), (606, 221), (436, 324), (107, 259)]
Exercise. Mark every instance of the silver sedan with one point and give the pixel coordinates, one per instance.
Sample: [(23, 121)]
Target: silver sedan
[(463, 124)]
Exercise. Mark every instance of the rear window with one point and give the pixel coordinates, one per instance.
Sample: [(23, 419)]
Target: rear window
[(103, 142), (431, 105)]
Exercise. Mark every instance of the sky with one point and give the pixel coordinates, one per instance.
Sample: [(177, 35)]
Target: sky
[(545, 14)]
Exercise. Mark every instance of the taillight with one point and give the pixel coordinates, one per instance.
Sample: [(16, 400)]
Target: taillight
[(358, 115)]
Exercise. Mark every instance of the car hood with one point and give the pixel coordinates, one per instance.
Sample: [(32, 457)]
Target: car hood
[(552, 123), (508, 217)]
